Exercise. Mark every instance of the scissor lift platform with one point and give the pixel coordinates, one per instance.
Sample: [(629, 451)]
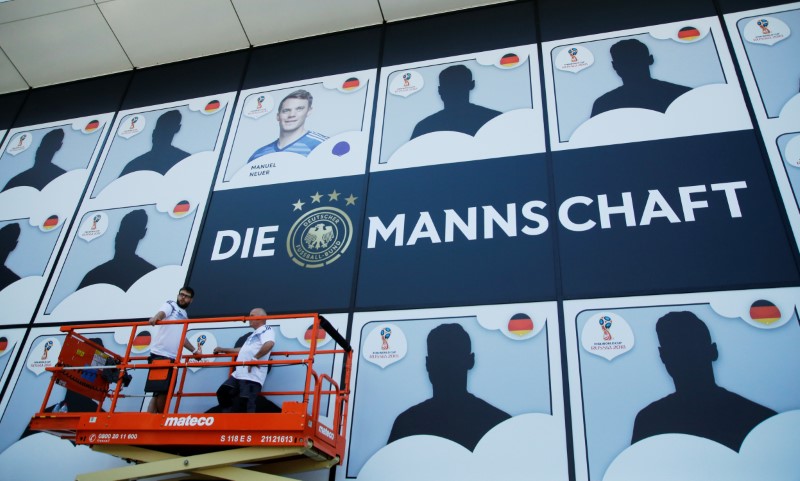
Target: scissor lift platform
[(214, 445)]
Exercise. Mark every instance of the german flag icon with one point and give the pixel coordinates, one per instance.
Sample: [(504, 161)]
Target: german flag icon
[(520, 325), (92, 126), (351, 84), (212, 107), (509, 60), (181, 208), (687, 34), (51, 223), (764, 312)]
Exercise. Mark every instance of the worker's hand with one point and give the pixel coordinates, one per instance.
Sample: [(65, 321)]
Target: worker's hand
[(196, 354), (219, 350), (153, 321)]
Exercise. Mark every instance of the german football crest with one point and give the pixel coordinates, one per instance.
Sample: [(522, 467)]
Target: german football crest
[(322, 235)]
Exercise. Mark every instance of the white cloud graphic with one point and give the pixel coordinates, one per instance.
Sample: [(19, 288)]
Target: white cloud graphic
[(702, 110), (769, 452), (525, 447)]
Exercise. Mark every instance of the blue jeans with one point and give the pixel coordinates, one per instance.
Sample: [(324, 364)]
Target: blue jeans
[(234, 393)]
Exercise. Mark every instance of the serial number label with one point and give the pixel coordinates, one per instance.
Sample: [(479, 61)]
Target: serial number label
[(277, 439), (236, 438), (106, 437)]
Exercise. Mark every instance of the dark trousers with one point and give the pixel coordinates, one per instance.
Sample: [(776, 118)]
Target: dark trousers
[(237, 396)]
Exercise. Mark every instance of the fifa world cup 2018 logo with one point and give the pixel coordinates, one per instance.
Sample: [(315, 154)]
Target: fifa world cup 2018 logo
[(47, 346), (573, 52), (259, 102), (763, 24), (386, 333), (22, 139), (133, 122), (201, 340), (95, 220), (406, 79), (605, 325)]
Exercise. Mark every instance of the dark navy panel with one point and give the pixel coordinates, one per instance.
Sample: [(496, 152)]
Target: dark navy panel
[(729, 6), (9, 108), (186, 80), (74, 100), (716, 251), (276, 282), (504, 268), (314, 57), (561, 19), (474, 30)]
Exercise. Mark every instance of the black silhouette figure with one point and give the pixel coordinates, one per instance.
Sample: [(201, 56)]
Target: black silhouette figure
[(43, 170), (453, 412), (9, 237), (698, 406), (631, 60), (163, 156), (125, 267), (459, 115)]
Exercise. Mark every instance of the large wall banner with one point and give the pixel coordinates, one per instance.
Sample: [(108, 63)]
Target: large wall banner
[(691, 387), (468, 107), (135, 232), (10, 341), (764, 40), (284, 219), (660, 183), (43, 172), (470, 393), (657, 82), (458, 185)]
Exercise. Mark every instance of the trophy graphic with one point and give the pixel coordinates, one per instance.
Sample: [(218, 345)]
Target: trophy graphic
[(47, 346), (201, 340), (763, 24), (95, 220), (406, 79), (133, 122), (386, 333), (572, 54), (259, 101), (605, 325), (22, 139)]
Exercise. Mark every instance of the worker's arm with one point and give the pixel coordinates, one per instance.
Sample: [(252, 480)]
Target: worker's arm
[(188, 345), (265, 348), (159, 316), (226, 350)]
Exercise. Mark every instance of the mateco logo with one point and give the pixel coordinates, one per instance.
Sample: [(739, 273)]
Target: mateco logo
[(186, 421), (325, 431)]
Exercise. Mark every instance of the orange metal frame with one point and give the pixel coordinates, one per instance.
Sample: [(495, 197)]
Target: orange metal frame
[(80, 367)]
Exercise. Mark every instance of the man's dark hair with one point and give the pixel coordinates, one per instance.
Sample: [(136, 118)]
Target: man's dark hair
[(298, 94), (187, 289)]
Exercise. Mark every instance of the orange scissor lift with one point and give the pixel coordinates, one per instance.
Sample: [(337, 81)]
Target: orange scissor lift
[(233, 446)]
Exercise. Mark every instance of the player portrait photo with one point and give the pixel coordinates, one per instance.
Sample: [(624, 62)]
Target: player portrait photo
[(300, 131)]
